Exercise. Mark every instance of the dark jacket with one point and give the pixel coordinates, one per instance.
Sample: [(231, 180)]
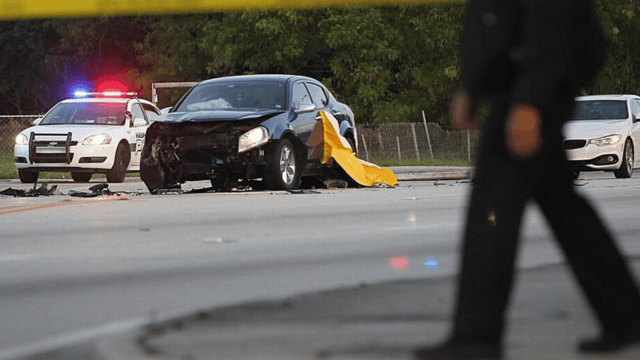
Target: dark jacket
[(537, 52)]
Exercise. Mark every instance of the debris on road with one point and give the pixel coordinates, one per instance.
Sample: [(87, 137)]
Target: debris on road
[(43, 190)]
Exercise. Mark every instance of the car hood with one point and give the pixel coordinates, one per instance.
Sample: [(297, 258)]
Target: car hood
[(218, 115), (79, 131), (592, 129)]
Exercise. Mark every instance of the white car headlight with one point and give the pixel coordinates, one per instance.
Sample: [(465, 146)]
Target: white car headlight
[(99, 139), (22, 139), (253, 138), (604, 141)]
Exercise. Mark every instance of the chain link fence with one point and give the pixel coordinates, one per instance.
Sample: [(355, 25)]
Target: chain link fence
[(388, 141), (415, 141), (10, 126)]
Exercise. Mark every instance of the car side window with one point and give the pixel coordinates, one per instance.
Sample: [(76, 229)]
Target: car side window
[(317, 95), (635, 108), (300, 96), (137, 112), (152, 113)]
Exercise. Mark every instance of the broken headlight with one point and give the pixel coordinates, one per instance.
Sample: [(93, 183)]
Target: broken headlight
[(253, 138)]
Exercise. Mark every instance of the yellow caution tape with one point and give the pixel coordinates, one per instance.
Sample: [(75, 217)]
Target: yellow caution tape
[(26, 9), (336, 147)]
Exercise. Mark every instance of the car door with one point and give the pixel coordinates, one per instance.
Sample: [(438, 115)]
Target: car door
[(151, 111), (303, 121), (321, 100), (635, 130), (137, 133)]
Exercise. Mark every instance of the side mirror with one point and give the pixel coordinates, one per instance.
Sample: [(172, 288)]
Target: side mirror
[(139, 122), (36, 121), (306, 108)]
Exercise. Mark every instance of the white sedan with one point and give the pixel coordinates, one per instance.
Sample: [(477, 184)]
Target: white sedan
[(86, 136), (604, 134)]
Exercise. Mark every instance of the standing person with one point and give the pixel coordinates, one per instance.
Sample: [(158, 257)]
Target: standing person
[(529, 58)]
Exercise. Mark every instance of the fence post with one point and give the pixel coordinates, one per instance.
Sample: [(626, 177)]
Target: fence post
[(415, 140), (381, 145), (426, 129), (469, 145), (366, 151), (398, 141)]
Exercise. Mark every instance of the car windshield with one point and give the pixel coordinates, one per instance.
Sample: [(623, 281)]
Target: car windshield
[(600, 110), (235, 95), (90, 113)]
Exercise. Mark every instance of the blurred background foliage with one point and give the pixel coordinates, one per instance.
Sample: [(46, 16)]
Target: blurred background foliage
[(388, 63)]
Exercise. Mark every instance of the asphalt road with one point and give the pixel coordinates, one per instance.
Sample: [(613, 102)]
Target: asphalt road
[(72, 268)]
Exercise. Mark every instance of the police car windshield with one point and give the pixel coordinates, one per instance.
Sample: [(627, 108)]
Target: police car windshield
[(600, 110), (89, 113), (235, 95)]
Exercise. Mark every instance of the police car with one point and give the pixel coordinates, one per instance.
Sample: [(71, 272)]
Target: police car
[(94, 133)]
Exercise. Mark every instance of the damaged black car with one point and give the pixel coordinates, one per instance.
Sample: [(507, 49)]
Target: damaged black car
[(243, 130)]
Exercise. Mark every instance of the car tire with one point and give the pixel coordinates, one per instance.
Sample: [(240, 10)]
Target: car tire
[(283, 167), (343, 174), (353, 145), (626, 169), (120, 164), (27, 176), (576, 174), (81, 176), (218, 184)]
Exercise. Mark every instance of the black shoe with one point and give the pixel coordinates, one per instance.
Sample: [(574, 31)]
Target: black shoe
[(456, 350), (610, 342)]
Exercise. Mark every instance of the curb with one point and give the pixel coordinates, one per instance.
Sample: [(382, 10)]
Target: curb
[(430, 176)]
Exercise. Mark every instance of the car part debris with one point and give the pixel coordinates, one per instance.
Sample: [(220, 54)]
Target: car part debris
[(167, 192), (336, 184), (34, 192), (96, 190)]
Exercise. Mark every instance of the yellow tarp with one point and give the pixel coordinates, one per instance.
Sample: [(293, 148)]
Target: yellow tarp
[(326, 138)]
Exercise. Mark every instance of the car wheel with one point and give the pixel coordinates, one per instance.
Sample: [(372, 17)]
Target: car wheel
[(576, 174), (121, 162), (27, 176), (218, 184), (283, 170), (343, 174), (626, 169), (81, 176), (352, 144)]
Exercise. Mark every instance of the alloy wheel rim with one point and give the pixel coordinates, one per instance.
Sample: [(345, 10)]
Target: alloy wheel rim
[(629, 151), (287, 165)]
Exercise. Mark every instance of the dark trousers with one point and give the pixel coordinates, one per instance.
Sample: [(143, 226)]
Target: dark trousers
[(502, 187)]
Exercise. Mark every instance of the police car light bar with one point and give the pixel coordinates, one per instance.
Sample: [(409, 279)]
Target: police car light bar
[(104, 93)]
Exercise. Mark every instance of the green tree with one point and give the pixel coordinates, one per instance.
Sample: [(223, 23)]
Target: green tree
[(387, 62), (26, 50), (621, 25), (169, 52)]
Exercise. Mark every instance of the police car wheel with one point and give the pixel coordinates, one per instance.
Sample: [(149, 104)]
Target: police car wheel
[(27, 176), (81, 176), (118, 171)]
